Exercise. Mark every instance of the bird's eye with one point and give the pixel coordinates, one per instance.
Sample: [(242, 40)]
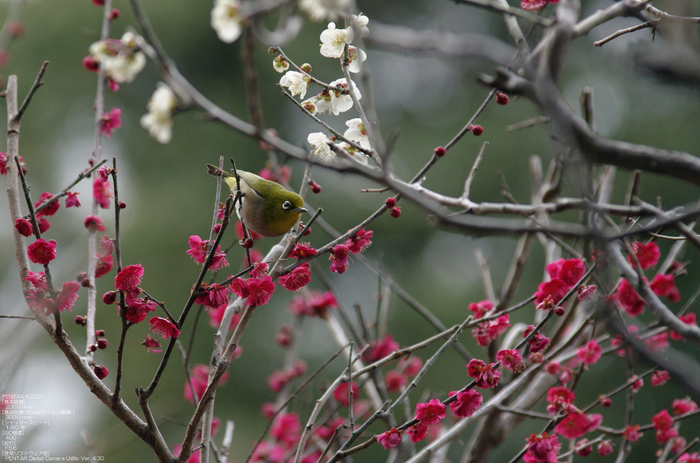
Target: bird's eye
[(286, 205)]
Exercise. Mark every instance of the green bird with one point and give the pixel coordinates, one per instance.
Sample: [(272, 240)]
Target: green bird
[(267, 208)]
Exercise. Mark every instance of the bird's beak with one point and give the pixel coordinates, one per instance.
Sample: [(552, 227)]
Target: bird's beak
[(300, 209)]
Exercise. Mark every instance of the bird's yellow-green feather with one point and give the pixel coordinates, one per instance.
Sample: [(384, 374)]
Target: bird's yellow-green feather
[(267, 207)]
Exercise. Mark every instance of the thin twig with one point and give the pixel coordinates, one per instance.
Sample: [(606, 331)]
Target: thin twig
[(28, 99)]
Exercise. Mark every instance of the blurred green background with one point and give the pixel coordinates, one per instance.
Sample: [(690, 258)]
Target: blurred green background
[(425, 99)]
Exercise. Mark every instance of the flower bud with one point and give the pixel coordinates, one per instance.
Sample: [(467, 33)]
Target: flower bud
[(102, 343), (477, 130), (315, 187), (24, 227), (101, 371), (109, 297), (248, 243), (122, 205), (91, 64), (306, 67), (583, 448), (440, 151), (396, 212), (285, 336), (99, 333), (81, 320), (502, 98), (217, 228), (114, 14), (390, 202), (44, 225)]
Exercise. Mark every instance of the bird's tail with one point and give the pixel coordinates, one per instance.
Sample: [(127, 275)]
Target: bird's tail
[(216, 172)]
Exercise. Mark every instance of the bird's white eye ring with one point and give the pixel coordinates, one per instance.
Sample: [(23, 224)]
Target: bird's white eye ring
[(286, 205)]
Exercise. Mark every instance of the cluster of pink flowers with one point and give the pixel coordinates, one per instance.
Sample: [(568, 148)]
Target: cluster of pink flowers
[(111, 121), (464, 404), (280, 378), (213, 296), (489, 330), (340, 253), (313, 304), (559, 399), (285, 436), (577, 424), (647, 254), (542, 449), (128, 280), (342, 393), (39, 298), (511, 359), (535, 5), (397, 379), (564, 274), (381, 348), (103, 191), (590, 353), (487, 376), (664, 425), (199, 378), (663, 285), (198, 251), (538, 342), (258, 288)]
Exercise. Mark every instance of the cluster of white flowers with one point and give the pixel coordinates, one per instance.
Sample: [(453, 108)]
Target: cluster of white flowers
[(336, 97), (322, 149), (333, 41), (122, 59), (334, 101), (158, 121), (226, 20)]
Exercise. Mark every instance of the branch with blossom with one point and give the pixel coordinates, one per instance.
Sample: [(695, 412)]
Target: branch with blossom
[(532, 359)]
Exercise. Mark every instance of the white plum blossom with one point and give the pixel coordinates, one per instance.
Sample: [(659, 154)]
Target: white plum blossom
[(280, 64), (297, 83), (360, 22), (158, 121), (357, 57), (163, 100), (335, 101), (125, 68), (226, 20), (320, 142), (122, 59), (356, 132), (159, 126), (103, 50), (319, 10), (334, 41)]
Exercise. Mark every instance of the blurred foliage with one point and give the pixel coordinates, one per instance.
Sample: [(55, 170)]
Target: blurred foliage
[(169, 196)]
